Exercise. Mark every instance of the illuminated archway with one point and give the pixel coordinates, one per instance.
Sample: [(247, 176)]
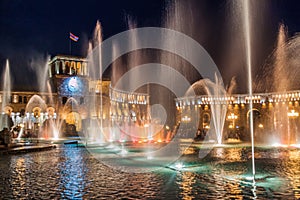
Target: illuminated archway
[(74, 118), (51, 111), (256, 121), (36, 111), (7, 110), (205, 120), (254, 109)]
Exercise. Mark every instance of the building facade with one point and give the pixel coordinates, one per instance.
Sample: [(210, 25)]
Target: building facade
[(275, 115), (72, 99)]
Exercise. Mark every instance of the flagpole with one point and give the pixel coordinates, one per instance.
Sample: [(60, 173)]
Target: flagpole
[(74, 38), (70, 47)]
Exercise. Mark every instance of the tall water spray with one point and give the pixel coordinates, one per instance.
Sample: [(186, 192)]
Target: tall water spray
[(6, 86), (134, 58), (176, 16), (95, 126), (98, 41), (280, 79), (218, 110), (6, 96), (247, 38)]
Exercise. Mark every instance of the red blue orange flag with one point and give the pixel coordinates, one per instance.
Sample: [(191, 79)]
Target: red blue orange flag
[(74, 37)]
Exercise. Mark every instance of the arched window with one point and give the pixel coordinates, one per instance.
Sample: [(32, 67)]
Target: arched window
[(64, 100), (84, 69), (25, 99), (73, 68), (206, 120), (78, 68), (67, 67), (20, 99), (60, 65), (81, 100)]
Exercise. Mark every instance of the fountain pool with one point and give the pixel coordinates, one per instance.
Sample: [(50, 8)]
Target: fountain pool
[(72, 172)]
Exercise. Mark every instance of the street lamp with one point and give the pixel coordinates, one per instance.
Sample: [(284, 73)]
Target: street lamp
[(293, 114), (232, 117), (186, 119)]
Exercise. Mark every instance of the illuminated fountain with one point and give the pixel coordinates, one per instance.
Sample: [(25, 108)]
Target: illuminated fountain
[(130, 110), (7, 86), (97, 130), (128, 116), (279, 75), (127, 133), (34, 115), (5, 114), (247, 37), (218, 111), (39, 120)]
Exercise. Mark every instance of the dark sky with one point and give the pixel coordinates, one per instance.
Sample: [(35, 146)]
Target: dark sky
[(32, 29)]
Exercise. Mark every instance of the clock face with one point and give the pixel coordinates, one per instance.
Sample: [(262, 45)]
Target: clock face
[(73, 85)]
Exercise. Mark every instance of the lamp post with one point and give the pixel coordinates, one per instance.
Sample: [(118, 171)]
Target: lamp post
[(293, 114), (232, 117), (186, 119)]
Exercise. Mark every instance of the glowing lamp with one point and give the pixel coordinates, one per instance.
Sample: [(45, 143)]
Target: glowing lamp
[(293, 113)]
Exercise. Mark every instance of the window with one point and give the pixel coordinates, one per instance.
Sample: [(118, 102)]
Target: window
[(64, 100), (15, 98), (20, 99)]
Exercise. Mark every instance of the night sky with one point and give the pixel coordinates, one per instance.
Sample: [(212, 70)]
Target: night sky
[(32, 29)]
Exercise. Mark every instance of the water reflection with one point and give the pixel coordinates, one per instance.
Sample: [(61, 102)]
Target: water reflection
[(20, 179), (72, 173), (293, 167), (186, 184), (229, 154)]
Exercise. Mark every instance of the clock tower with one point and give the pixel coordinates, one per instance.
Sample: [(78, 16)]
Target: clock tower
[(68, 78)]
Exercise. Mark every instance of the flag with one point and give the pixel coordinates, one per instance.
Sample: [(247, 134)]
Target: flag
[(74, 37)]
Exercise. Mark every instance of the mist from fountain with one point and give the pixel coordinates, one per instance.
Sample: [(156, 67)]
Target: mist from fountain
[(280, 74), (133, 58), (281, 84), (175, 17), (280, 80), (51, 100), (274, 76), (146, 126), (40, 67)]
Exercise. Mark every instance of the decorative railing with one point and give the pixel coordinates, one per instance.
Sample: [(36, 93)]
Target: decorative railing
[(239, 98), (128, 97)]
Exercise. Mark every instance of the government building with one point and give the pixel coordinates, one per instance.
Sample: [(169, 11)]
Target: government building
[(72, 98)]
